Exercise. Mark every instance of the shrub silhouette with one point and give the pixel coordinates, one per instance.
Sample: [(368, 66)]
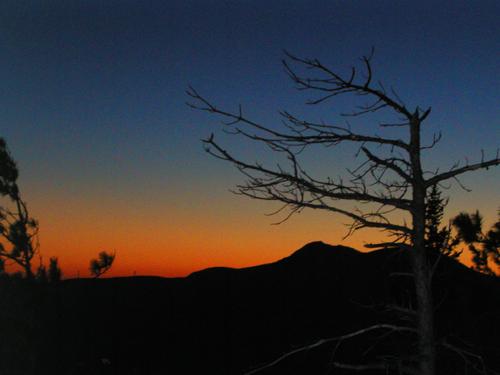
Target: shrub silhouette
[(102, 264)]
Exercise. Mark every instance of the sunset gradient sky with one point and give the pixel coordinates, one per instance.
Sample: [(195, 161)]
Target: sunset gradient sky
[(93, 109)]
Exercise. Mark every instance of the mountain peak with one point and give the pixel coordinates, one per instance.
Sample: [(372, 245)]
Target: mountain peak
[(318, 250), (317, 247)]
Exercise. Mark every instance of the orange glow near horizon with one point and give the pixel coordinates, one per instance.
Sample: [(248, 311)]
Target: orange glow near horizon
[(174, 235), (176, 242)]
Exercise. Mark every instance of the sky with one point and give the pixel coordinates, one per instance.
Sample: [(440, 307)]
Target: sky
[(93, 108)]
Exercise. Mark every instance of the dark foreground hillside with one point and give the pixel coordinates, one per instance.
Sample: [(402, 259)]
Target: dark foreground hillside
[(228, 321)]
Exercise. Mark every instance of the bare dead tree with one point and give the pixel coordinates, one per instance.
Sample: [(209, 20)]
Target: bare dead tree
[(389, 178)]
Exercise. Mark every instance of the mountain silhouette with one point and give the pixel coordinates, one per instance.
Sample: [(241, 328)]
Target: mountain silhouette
[(228, 321)]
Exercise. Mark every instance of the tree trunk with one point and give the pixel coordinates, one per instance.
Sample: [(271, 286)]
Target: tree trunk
[(421, 268), (425, 316)]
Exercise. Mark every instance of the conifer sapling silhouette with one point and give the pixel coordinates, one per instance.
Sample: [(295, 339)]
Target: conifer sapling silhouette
[(41, 273), (102, 264), (485, 248), (54, 273), (468, 230), (17, 227), (438, 238)]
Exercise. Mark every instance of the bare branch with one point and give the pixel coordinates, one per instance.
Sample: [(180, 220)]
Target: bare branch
[(322, 134), (393, 245), (387, 163), (318, 343), (374, 366), (468, 168), (333, 84), (469, 358), (277, 178), (435, 140)]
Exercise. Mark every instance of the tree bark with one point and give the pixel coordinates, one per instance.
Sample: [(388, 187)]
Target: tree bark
[(421, 269), (425, 316)]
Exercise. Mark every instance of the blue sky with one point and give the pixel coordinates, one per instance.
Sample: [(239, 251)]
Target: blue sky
[(93, 94)]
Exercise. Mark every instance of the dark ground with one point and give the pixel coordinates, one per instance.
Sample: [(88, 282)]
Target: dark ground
[(228, 321)]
